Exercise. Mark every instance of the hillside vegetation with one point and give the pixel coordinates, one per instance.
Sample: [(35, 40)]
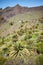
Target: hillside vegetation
[(21, 40), (9, 26)]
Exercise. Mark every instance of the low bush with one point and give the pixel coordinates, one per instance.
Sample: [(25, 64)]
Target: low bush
[(40, 47), (39, 60), (14, 37), (11, 23)]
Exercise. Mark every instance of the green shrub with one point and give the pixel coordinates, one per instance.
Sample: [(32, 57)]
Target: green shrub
[(11, 23), (30, 31), (5, 49), (40, 47), (40, 38), (42, 33), (39, 60), (2, 60), (27, 37), (18, 46), (14, 37), (2, 40), (35, 35), (20, 32)]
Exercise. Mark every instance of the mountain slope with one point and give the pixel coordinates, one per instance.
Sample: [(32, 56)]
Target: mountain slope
[(12, 11), (14, 23), (12, 16)]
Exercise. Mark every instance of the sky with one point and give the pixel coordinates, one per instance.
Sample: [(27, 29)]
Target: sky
[(27, 3)]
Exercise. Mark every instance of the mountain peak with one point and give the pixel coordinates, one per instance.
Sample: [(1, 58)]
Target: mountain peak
[(17, 5)]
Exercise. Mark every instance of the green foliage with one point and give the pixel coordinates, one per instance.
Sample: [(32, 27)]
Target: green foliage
[(1, 63), (40, 47), (35, 35), (20, 32), (39, 60), (41, 33), (18, 46), (40, 38), (14, 37), (27, 37), (2, 60), (5, 50)]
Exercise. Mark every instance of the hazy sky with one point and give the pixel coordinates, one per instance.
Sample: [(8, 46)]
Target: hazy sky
[(29, 3)]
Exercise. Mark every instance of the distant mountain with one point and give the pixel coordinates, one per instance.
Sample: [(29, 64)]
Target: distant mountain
[(1, 11), (12, 11)]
